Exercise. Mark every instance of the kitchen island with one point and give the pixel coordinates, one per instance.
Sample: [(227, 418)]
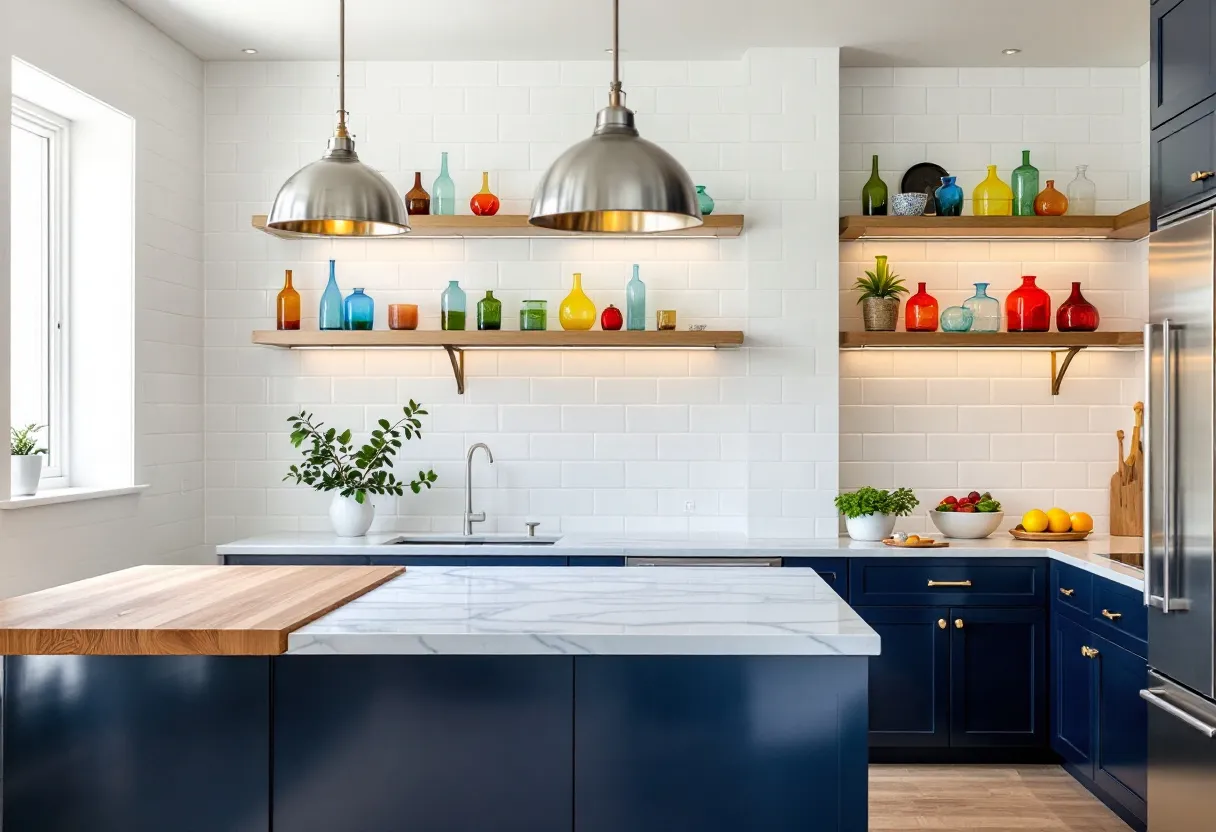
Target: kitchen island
[(455, 698)]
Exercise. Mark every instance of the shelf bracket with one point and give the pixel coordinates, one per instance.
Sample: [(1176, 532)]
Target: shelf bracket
[(1057, 376), (456, 356)]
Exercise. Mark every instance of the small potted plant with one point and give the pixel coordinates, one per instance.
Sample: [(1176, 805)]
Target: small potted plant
[(26, 461), (869, 513), (880, 291), (332, 463)]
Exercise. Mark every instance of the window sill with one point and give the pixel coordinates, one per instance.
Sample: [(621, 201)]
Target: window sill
[(56, 496)]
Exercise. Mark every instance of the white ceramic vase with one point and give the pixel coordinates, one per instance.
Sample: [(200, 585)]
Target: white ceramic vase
[(26, 471), (349, 518), (871, 526)]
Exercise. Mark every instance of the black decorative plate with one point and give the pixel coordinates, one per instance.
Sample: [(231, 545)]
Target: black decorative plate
[(921, 177)]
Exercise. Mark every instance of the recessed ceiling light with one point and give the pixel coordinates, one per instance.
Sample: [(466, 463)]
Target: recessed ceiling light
[(250, 51), (1010, 51)]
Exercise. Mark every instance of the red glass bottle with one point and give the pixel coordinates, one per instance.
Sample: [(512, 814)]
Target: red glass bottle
[(1028, 308), (920, 312), (1077, 314)]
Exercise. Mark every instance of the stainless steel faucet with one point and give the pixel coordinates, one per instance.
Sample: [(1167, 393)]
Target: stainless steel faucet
[(471, 517)]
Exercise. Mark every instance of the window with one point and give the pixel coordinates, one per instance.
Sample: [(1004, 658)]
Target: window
[(39, 280)]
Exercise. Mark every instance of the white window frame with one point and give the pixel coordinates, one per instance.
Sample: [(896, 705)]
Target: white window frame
[(57, 131)]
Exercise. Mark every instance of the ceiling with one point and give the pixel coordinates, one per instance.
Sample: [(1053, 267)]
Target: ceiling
[(872, 32)]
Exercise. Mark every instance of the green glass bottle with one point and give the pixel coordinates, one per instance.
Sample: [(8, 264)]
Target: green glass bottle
[(874, 194), (1025, 187), (489, 312)]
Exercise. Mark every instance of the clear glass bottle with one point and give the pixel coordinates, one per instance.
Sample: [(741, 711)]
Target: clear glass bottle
[(358, 311), (452, 307), (1082, 194), (330, 314), (443, 192), (635, 302), (985, 310), (489, 312), (1025, 184), (874, 193)]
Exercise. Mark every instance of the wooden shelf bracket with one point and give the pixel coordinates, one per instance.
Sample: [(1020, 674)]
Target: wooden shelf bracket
[(456, 356), (1057, 375)]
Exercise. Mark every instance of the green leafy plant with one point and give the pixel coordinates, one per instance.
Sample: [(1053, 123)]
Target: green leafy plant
[(332, 463), (25, 442), (866, 501), (880, 283)]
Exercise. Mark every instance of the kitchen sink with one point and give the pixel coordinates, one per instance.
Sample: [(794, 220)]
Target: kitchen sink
[(472, 540)]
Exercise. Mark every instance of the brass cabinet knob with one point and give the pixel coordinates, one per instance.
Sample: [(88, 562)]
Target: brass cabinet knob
[(1200, 175), (958, 623), (941, 623), (1068, 592), (1113, 616), (1089, 652)]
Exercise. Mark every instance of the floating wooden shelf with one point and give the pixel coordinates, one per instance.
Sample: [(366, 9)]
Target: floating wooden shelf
[(1132, 224), (455, 343), (517, 225)]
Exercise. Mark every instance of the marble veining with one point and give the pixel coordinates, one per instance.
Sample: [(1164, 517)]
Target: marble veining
[(594, 611)]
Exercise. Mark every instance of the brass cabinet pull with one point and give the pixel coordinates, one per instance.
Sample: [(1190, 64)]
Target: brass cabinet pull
[(958, 623), (941, 623), (1089, 652), (949, 583), (1200, 175), (1113, 616), (1068, 592)]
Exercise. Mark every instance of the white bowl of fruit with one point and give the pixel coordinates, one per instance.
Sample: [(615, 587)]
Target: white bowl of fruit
[(968, 518)]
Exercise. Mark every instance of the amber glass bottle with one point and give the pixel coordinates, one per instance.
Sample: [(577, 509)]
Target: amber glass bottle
[(418, 201), (287, 306)]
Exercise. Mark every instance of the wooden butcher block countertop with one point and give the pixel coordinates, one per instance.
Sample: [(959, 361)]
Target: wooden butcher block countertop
[(181, 610)]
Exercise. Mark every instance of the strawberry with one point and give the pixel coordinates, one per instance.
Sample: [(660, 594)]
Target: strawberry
[(950, 500), (968, 508)]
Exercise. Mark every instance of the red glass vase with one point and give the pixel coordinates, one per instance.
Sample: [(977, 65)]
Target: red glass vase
[(1077, 314), (920, 312), (1028, 308)]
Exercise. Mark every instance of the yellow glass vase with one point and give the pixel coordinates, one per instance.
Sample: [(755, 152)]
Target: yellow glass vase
[(992, 197), (577, 311)]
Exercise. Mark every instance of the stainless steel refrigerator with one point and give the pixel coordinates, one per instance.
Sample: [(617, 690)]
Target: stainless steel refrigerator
[(1179, 527)]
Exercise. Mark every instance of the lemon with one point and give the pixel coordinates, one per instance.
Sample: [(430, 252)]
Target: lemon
[(1081, 522), (1058, 520), (1035, 521)]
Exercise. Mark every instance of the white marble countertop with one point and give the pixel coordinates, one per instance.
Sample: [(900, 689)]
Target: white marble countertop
[(593, 611), (1087, 554)]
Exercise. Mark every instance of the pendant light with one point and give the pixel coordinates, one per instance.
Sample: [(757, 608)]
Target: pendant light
[(337, 195), (616, 181)]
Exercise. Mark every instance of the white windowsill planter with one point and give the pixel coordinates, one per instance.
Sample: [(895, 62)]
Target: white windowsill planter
[(870, 527), (26, 472), (350, 518)]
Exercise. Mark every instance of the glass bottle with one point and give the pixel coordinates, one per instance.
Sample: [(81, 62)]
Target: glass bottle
[(443, 192), (986, 311), (484, 203), (957, 319), (920, 312), (1082, 194), (489, 312), (358, 311), (992, 197), (452, 308), (705, 201), (635, 303), (577, 312), (1050, 203), (949, 198), (330, 314), (287, 306), (1077, 314), (1025, 184), (1028, 308), (417, 200), (533, 316), (874, 193)]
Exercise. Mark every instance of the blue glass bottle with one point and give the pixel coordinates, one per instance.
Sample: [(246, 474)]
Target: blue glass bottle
[(330, 314), (957, 319), (704, 201), (358, 311), (985, 311), (443, 192), (949, 198), (452, 308), (635, 302)]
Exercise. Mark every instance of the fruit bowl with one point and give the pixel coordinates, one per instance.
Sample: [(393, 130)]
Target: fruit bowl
[(962, 526)]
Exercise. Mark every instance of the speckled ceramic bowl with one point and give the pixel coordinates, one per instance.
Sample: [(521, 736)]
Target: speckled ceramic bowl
[(909, 205)]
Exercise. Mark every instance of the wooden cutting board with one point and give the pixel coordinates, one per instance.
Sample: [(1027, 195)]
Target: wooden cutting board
[(181, 610)]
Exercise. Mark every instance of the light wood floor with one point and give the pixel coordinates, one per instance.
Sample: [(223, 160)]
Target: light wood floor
[(988, 798)]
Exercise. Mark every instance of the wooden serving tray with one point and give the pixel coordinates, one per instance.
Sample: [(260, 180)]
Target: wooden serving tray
[(925, 543), (1021, 534)]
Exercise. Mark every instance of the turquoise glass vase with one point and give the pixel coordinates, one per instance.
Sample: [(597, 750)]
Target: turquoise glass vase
[(704, 201), (635, 302), (949, 198), (330, 314), (358, 311), (443, 192), (452, 308), (1025, 185), (957, 319), (985, 311)]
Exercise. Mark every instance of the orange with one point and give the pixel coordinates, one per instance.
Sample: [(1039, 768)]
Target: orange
[(1058, 520), (1035, 521), (1081, 522)]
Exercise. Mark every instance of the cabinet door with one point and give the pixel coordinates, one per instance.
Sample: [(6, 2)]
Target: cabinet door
[(1183, 147), (1121, 761), (998, 689), (1072, 693), (910, 681), (1183, 66)]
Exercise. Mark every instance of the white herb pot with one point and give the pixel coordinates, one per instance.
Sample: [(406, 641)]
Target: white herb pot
[(26, 471), (871, 526), (349, 518)]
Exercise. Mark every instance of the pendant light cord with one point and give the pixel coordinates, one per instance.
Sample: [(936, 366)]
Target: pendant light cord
[(614, 95), (341, 131)]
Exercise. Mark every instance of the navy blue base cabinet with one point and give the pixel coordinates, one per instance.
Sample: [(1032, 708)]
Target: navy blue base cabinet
[(910, 681), (998, 683)]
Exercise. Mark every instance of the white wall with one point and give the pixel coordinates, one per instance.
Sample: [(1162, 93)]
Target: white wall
[(105, 50), (585, 441)]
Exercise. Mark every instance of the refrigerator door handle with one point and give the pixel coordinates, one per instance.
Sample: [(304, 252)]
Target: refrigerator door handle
[(1167, 454), (1156, 698), (1150, 600)]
